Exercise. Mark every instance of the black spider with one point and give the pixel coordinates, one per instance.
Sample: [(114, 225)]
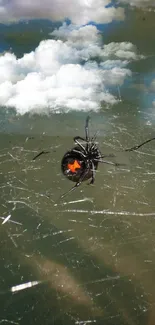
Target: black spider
[(81, 162)]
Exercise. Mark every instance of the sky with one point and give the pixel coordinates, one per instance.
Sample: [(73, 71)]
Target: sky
[(94, 52)]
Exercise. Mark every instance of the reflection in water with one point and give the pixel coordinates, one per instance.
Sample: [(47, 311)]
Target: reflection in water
[(92, 254)]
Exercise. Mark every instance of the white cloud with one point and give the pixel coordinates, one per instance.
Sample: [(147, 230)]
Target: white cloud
[(88, 43), (78, 11), (138, 3), (123, 50), (62, 75), (77, 36)]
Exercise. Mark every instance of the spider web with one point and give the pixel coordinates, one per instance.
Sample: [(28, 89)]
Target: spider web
[(89, 258)]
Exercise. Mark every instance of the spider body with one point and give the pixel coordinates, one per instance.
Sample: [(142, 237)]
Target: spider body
[(77, 161), (81, 162)]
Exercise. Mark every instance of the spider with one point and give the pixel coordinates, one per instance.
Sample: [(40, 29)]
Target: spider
[(81, 162)]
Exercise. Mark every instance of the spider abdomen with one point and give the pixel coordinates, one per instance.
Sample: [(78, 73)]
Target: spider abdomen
[(75, 163)]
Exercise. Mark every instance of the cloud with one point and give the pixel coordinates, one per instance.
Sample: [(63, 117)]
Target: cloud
[(78, 11), (66, 74), (123, 50), (88, 42), (138, 3), (78, 36)]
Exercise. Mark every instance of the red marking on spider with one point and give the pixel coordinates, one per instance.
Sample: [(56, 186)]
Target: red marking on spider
[(74, 166)]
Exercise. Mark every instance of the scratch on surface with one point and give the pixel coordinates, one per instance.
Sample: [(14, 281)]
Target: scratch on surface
[(83, 322), (77, 221), (19, 188), (12, 239), (128, 187), (144, 153), (63, 241), (119, 213), (93, 226), (8, 321), (108, 278), (22, 202), (6, 219), (16, 222), (14, 158), (76, 201), (24, 286), (61, 231)]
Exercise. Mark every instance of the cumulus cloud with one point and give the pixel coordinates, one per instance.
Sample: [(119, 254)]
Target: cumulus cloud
[(88, 43), (78, 11), (66, 74), (138, 3), (78, 36)]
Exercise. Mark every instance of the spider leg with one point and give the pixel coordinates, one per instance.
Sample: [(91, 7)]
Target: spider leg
[(94, 136), (79, 138), (140, 145), (87, 128), (81, 153), (40, 153), (93, 144), (79, 144), (77, 184), (93, 174)]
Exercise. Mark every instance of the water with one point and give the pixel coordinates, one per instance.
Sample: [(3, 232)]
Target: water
[(92, 253)]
